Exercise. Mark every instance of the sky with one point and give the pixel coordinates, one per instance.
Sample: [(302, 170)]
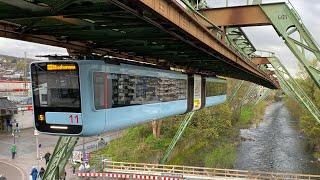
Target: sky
[(263, 38)]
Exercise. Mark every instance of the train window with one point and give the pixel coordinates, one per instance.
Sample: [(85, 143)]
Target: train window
[(99, 90), (215, 88), (53, 88), (136, 90)]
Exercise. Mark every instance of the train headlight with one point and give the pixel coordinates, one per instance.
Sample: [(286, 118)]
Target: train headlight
[(41, 117)]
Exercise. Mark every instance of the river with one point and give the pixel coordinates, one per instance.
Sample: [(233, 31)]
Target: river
[(276, 145)]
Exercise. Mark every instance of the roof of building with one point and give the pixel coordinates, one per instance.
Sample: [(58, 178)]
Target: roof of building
[(6, 104)]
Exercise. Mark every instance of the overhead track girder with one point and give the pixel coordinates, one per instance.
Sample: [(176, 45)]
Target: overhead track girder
[(177, 136), (85, 21)]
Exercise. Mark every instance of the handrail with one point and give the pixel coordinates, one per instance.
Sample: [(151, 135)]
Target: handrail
[(126, 167)]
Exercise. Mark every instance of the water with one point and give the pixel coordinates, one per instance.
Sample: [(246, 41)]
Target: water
[(276, 145)]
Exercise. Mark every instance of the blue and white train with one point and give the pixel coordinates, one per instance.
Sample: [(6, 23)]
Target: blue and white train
[(90, 97)]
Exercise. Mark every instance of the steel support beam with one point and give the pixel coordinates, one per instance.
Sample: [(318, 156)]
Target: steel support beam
[(260, 61), (240, 16), (235, 90), (240, 41), (262, 97), (60, 156), (25, 5), (251, 89), (177, 136), (290, 27)]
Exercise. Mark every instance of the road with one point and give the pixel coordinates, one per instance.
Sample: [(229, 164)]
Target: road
[(11, 171)]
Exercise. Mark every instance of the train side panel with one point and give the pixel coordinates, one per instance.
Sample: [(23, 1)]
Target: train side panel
[(122, 117)]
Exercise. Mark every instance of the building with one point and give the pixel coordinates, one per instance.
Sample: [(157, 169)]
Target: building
[(18, 92), (7, 110), (15, 90)]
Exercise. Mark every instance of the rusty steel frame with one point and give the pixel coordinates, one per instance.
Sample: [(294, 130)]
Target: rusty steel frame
[(195, 30), (237, 16), (177, 15), (260, 61)]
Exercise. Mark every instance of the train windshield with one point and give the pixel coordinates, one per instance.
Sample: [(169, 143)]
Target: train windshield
[(56, 85)]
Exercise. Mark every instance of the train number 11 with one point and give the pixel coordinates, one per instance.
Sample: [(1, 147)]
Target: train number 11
[(76, 118)]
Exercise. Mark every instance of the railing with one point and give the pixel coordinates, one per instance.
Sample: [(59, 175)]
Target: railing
[(197, 172)]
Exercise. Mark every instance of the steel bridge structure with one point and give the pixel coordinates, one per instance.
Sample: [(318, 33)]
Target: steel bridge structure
[(169, 34), (160, 32)]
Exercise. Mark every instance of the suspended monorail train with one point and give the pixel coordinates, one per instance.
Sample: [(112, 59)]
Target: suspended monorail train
[(90, 97)]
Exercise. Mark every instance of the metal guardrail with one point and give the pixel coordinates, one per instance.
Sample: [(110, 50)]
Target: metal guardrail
[(198, 172)]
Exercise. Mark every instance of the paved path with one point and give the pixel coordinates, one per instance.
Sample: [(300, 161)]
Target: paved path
[(11, 171), (27, 151)]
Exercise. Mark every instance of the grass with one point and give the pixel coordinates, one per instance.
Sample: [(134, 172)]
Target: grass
[(222, 156), (190, 156), (246, 116)]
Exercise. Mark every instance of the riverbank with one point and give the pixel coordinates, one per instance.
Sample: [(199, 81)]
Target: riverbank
[(276, 145), (306, 124)]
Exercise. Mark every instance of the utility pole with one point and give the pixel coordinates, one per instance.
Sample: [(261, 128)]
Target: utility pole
[(25, 76), (36, 134), (83, 154)]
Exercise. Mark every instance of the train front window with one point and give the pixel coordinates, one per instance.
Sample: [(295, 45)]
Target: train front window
[(55, 88)]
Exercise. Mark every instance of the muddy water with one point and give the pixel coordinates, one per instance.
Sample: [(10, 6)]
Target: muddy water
[(275, 145)]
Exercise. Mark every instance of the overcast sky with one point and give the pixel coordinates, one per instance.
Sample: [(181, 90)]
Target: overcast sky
[(264, 38)]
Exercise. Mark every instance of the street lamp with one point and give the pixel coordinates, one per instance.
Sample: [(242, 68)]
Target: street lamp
[(36, 133)]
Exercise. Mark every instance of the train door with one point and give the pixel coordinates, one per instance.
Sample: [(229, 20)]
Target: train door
[(100, 81)]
